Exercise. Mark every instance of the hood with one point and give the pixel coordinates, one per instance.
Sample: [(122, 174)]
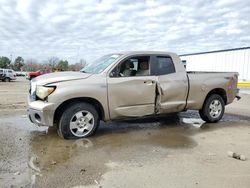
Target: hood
[(60, 77)]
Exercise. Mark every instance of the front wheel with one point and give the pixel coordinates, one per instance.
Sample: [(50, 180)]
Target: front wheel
[(79, 120), (213, 109)]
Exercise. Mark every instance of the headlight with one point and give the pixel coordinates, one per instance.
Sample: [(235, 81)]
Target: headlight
[(42, 91)]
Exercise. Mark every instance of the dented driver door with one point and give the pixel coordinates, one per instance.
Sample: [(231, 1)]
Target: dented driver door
[(131, 96)]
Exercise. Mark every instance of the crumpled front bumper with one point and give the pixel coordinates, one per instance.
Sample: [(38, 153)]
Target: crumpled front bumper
[(41, 113)]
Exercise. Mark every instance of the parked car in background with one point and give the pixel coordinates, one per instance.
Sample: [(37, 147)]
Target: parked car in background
[(20, 73), (31, 75), (6, 75)]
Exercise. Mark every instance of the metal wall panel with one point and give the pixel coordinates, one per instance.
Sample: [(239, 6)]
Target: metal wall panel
[(227, 61)]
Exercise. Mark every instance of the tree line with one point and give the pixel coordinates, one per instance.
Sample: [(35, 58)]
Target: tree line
[(51, 65)]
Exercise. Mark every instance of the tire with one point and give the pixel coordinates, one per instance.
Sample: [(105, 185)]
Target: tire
[(79, 120), (6, 79), (32, 77), (213, 109)]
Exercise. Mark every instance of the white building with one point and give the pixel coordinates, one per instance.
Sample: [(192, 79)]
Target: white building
[(230, 60)]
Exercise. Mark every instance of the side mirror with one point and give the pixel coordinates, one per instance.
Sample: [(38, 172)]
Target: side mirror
[(114, 73)]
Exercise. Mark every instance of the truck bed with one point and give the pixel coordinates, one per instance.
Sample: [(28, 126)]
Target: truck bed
[(202, 82)]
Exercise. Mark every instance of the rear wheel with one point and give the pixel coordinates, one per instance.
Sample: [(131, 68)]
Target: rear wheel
[(213, 109), (79, 120), (7, 79)]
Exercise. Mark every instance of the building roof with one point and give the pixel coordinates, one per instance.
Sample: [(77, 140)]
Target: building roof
[(216, 51)]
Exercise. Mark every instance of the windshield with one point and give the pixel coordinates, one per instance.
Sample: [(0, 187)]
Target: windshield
[(100, 64)]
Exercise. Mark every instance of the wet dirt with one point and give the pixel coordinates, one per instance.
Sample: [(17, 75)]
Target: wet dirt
[(177, 150), (67, 163)]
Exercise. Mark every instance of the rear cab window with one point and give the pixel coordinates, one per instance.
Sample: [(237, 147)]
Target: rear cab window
[(162, 65)]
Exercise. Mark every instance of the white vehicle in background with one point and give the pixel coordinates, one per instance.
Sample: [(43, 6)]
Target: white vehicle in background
[(6, 75), (21, 73)]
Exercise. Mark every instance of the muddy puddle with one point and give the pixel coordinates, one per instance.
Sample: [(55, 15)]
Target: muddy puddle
[(38, 157)]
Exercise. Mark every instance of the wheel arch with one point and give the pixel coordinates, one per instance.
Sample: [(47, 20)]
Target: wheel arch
[(59, 110), (218, 91)]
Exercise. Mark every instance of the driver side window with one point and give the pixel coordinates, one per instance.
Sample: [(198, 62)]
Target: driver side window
[(133, 66)]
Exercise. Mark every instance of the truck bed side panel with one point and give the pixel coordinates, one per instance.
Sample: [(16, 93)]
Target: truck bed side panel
[(201, 83)]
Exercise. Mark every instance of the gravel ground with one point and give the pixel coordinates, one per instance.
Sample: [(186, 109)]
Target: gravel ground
[(172, 151)]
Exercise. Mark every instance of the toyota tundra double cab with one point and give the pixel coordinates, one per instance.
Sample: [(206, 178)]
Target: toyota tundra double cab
[(127, 85)]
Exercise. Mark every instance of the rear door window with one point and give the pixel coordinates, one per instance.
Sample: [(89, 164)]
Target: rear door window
[(163, 65)]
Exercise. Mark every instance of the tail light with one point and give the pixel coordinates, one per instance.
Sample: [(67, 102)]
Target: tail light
[(233, 81)]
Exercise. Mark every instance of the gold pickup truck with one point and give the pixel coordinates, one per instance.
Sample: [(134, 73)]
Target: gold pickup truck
[(126, 85)]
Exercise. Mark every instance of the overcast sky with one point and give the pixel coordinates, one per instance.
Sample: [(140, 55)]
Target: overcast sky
[(87, 29)]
